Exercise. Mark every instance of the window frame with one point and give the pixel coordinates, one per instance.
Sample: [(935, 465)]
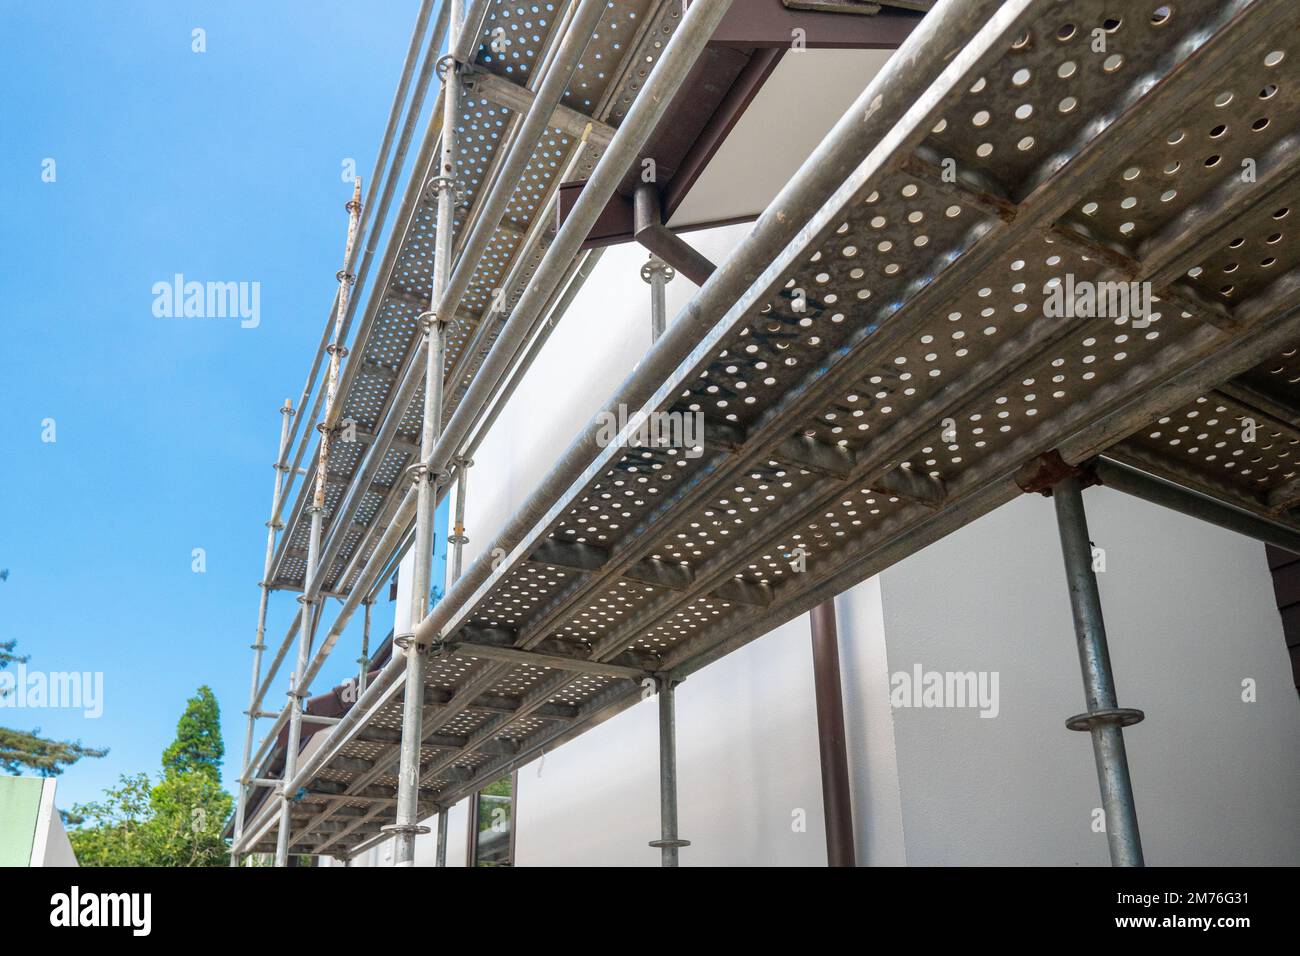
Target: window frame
[(471, 841)]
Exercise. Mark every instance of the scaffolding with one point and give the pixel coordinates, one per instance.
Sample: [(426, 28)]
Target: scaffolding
[(901, 344)]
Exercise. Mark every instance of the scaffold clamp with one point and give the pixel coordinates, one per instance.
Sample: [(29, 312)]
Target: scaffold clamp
[(1120, 716), (415, 828)]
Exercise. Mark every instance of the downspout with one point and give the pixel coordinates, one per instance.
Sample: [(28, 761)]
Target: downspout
[(837, 803)]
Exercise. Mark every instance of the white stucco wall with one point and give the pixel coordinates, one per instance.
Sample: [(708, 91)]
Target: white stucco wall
[(868, 727), (747, 772), (1190, 613)]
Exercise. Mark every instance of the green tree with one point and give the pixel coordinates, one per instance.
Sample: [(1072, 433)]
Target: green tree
[(116, 831), (174, 822), (197, 747), (27, 751), (189, 811), (189, 805)]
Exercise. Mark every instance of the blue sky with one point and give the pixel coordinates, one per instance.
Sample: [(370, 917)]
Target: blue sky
[(223, 166)]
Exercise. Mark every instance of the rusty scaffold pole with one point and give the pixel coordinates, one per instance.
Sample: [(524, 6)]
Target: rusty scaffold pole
[(310, 597)]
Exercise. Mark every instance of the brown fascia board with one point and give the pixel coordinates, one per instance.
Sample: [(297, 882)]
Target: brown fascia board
[(745, 50), (705, 100), (770, 23), (760, 65), (704, 112)]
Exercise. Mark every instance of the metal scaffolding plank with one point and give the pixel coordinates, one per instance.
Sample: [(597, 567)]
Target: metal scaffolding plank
[(371, 391)]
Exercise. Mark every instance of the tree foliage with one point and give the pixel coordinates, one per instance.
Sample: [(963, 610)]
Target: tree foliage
[(26, 751), (176, 821), (116, 831), (197, 747), (190, 810)]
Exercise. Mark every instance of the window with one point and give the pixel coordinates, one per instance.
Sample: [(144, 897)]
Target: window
[(438, 572), (492, 824)]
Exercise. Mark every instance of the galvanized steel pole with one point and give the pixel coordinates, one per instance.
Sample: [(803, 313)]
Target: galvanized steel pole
[(668, 843), (310, 597), (658, 274), (259, 645), (1104, 719), (363, 661), (458, 539), (407, 825), (295, 701), (465, 44), (1131, 481)]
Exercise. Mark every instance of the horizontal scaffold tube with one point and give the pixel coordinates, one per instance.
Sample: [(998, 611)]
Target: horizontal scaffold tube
[(372, 231), (894, 91), (1157, 491)]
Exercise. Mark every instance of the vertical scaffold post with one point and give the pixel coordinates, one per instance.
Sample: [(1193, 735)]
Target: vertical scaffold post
[(458, 539), (363, 662), (407, 825), (311, 584), (273, 526), (658, 274), (1104, 719), (668, 843)]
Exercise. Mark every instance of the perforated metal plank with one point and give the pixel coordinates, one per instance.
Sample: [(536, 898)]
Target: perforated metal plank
[(1234, 444), (922, 372), (624, 47), (603, 90)]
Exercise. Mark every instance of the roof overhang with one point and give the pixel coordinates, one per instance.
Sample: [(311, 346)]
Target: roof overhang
[(728, 108)]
